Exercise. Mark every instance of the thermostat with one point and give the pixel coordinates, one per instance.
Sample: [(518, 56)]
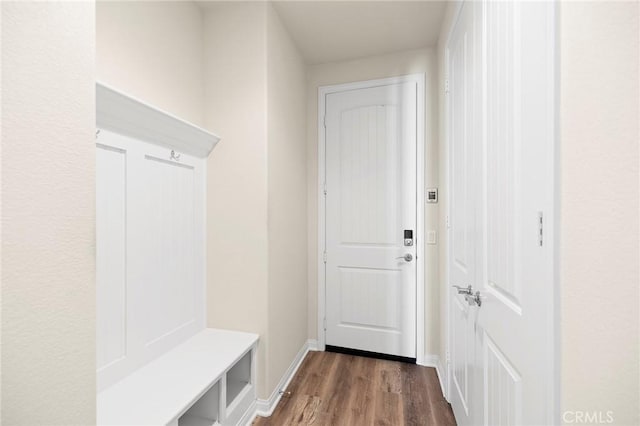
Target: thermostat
[(432, 195)]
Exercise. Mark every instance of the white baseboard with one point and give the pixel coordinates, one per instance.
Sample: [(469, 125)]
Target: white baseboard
[(265, 407), (313, 345), (430, 360), (441, 378)]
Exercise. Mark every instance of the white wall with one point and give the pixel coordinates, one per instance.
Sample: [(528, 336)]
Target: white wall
[(408, 62), (236, 102), (287, 205), (255, 100), (153, 50), (48, 213), (599, 257)]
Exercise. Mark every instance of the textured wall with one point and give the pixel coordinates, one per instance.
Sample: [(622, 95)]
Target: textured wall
[(236, 102), (153, 50), (48, 213), (287, 207), (599, 263)]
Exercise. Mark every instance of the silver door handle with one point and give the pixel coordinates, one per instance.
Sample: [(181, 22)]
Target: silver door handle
[(473, 299), (464, 290), (407, 257)]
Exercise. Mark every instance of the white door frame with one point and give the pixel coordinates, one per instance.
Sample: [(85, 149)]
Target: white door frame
[(553, 397), (323, 91)]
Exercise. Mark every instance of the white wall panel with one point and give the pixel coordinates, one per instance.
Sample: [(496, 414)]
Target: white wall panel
[(150, 231), (170, 254), (110, 255)]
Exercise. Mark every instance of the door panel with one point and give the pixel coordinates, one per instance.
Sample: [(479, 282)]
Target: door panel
[(503, 388), (371, 198), (460, 330), (368, 180), (517, 281), (503, 146), (370, 298), (501, 136), (465, 141)]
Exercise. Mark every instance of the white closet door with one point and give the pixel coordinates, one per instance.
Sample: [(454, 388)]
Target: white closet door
[(515, 321), (465, 138), (502, 190)]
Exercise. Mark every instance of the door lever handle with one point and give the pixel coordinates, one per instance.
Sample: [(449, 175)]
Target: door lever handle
[(473, 299), (407, 257), (464, 290)]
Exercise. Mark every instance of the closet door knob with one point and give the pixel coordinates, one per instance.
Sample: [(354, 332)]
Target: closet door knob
[(407, 257)]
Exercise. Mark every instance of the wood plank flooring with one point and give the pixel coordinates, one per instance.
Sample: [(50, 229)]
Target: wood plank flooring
[(337, 389)]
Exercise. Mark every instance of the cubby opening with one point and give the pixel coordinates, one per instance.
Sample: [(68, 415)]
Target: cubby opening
[(238, 378), (205, 411)]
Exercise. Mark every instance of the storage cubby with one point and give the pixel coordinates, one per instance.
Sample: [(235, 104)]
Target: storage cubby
[(205, 411), (238, 378)]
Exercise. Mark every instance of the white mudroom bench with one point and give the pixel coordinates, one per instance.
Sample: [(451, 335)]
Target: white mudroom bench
[(207, 380), (156, 362)]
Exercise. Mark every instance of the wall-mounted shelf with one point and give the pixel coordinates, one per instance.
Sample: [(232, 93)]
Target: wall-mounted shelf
[(132, 117)]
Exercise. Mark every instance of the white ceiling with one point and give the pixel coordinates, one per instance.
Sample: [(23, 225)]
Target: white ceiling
[(328, 31)]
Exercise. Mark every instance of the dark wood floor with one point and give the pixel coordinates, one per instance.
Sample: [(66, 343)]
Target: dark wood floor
[(336, 389)]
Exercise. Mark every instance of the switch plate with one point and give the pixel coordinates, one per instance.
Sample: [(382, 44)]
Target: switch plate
[(431, 237)]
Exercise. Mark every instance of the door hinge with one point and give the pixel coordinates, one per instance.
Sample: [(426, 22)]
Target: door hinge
[(324, 121), (324, 323), (540, 229), (324, 257), (324, 188), (446, 86), (447, 222)]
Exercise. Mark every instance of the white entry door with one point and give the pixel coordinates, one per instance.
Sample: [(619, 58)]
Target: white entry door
[(371, 165), (501, 135)]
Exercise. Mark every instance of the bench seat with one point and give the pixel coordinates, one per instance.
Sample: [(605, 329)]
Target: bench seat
[(163, 390)]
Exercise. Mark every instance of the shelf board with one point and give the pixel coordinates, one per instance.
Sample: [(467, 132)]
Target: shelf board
[(239, 390), (188, 420)]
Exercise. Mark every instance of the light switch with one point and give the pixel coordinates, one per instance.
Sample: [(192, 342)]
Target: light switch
[(431, 237)]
